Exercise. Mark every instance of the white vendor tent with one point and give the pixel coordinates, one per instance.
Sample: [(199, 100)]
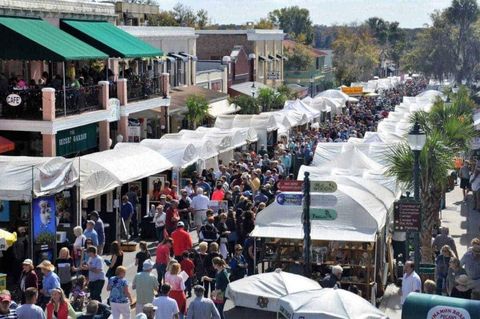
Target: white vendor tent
[(104, 171), (360, 215), (180, 153), (262, 123), (23, 176), (272, 285), (334, 94), (239, 136), (299, 106), (325, 152), (327, 303)]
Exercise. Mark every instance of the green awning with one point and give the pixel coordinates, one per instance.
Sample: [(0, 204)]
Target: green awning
[(110, 39), (35, 39)]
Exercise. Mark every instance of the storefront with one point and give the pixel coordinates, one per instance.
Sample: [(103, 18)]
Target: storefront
[(78, 140)]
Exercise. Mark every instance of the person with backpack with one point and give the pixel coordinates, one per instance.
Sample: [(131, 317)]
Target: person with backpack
[(209, 232)]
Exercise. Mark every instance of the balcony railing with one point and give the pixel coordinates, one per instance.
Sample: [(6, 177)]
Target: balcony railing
[(21, 104), (77, 101), (143, 87)]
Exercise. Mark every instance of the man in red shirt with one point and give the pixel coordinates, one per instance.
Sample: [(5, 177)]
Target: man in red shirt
[(182, 241), (166, 190), (218, 193), (162, 258), (172, 217), (189, 268)]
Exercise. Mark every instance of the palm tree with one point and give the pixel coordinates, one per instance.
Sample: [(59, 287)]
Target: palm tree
[(449, 129), (197, 109), (247, 104)]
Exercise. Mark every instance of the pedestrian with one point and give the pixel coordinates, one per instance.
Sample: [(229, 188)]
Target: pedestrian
[(464, 174), (177, 285), (84, 257), (184, 209), (429, 287), (59, 307), (471, 262), (219, 193), (100, 229), (332, 280), (221, 282), (91, 311), (162, 258), (65, 268), (188, 267), (208, 232), (443, 239), (120, 297), (146, 285), (116, 260), (29, 309), (411, 281), (96, 275), (475, 186), (209, 267), (133, 199), (199, 261), (238, 264), (148, 312), (6, 311), (441, 268), (78, 293), (141, 256), (78, 245), (199, 207), (182, 241), (28, 278), (167, 307), (91, 233), (461, 288), (233, 236), (201, 307), (159, 220), (172, 217), (454, 270), (126, 213), (50, 281), (223, 232)]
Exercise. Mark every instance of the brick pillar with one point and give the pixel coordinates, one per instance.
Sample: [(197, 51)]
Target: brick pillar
[(123, 127), (49, 145), (122, 91), (104, 126), (48, 104), (165, 78)]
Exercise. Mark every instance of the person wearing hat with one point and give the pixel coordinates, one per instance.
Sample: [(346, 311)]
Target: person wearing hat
[(50, 281), (461, 289), (28, 278), (91, 233), (201, 307), (182, 241), (5, 306), (147, 313), (146, 284)]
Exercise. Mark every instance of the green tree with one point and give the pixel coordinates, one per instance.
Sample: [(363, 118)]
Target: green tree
[(164, 19), (295, 21), (287, 93), (299, 58), (202, 19), (264, 23), (356, 55), (247, 104), (184, 15), (197, 109), (448, 128)]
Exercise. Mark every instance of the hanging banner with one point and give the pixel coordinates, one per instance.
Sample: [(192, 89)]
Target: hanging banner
[(44, 220), (4, 211)]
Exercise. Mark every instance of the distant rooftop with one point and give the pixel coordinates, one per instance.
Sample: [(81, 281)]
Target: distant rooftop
[(154, 32), (252, 34), (209, 65), (60, 6)]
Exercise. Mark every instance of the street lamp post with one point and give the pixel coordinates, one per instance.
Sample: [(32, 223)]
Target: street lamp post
[(253, 89), (311, 86), (416, 141)]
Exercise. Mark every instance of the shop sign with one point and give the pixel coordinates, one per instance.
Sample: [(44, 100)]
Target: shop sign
[(323, 186), (285, 312), (324, 200), (290, 186), (13, 99), (289, 199), (406, 215), (273, 75), (77, 139), (446, 312), (323, 214), (354, 90)]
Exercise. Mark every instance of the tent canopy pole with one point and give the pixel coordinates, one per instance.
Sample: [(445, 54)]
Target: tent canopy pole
[(64, 91)]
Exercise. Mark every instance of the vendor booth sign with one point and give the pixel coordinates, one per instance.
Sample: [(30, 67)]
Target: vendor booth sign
[(44, 220), (446, 312), (77, 139)]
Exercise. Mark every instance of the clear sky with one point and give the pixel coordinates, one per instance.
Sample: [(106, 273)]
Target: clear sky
[(410, 13)]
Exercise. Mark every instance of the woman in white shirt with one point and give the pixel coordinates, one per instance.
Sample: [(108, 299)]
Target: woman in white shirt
[(78, 245), (159, 220)]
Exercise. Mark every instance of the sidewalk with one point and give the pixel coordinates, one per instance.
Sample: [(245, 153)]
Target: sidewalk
[(464, 226)]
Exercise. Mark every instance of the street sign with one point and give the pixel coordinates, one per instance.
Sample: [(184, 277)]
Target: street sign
[(323, 186), (290, 186), (323, 214), (406, 215), (324, 200), (290, 199), (274, 75)]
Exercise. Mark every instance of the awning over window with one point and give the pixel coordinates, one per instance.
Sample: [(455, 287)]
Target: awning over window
[(192, 57), (179, 57), (6, 145), (110, 39), (282, 57), (263, 58), (35, 39), (272, 57)]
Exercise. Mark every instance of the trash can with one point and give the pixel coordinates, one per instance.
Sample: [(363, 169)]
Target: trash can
[(425, 306)]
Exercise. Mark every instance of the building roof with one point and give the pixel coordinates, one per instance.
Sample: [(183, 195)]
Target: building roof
[(316, 53), (179, 96), (252, 34), (160, 32), (62, 6), (208, 65)]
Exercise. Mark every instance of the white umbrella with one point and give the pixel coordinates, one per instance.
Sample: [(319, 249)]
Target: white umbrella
[(327, 303), (263, 291)]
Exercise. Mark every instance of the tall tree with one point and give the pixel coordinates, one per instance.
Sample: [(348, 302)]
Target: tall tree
[(164, 19), (184, 15), (197, 109), (264, 23), (298, 58), (247, 104), (295, 21), (202, 19)]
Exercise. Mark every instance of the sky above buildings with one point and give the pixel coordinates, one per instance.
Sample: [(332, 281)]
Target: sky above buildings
[(410, 13)]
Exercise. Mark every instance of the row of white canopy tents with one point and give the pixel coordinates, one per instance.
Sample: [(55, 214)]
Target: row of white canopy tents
[(293, 297), (379, 84)]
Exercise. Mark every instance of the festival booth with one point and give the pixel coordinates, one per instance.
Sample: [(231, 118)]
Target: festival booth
[(112, 173), (325, 152), (313, 115), (347, 228), (327, 303), (38, 197), (180, 153), (263, 291), (327, 106), (239, 138)]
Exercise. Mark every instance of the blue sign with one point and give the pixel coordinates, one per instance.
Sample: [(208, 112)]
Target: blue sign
[(44, 220), (4, 211), (290, 199)]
